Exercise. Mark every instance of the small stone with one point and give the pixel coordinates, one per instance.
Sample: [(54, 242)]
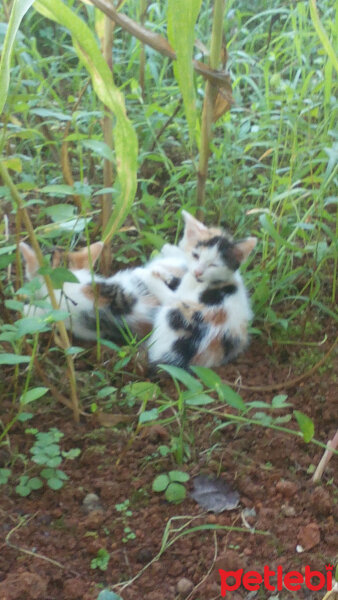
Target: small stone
[(320, 502), (144, 555), (95, 519), (184, 586), (91, 502), (286, 488), (288, 511), (74, 589)]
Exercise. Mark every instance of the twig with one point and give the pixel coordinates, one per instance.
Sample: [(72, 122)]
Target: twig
[(209, 570), (286, 384), (166, 124), (23, 521), (156, 41), (331, 446)]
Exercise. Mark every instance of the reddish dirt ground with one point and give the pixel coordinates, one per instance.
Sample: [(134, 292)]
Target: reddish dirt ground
[(49, 538)]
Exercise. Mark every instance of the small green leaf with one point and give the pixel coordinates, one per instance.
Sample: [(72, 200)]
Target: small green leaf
[(208, 376), (72, 453), (59, 276), (13, 359), (108, 390), (305, 425), (193, 399), (107, 595), (30, 325), (55, 483), (32, 395), (184, 377), (228, 395), (279, 401), (148, 415), (100, 148), (14, 305), (63, 190), (4, 476), (74, 350), (45, 112), (24, 416), (160, 483), (180, 476), (35, 483), (60, 212), (259, 404), (175, 493)]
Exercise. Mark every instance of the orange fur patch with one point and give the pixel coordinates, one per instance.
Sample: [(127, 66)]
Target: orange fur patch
[(216, 317), (141, 329), (213, 353), (93, 294), (81, 258)]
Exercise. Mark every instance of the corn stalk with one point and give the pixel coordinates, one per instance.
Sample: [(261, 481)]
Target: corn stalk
[(209, 103)]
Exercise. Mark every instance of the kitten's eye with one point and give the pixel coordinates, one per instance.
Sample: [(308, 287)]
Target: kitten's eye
[(195, 255)]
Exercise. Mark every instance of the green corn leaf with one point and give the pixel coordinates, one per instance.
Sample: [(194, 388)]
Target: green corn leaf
[(125, 140), (182, 17), (323, 35), (19, 9)]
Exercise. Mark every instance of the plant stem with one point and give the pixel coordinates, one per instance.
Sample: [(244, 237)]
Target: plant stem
[(59, 324), (209, 103), (143, 12)]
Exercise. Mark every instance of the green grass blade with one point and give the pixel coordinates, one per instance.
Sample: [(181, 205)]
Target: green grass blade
[(182, 18), (322, 34), (19, 9), (125, 139)]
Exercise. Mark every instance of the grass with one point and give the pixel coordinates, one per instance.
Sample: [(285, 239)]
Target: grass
[(272, 172)]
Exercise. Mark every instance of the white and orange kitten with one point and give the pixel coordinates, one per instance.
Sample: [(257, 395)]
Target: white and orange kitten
[(191, 298)]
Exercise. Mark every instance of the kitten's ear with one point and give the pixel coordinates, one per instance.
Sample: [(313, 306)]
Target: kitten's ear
[(193, 228), (243, 249), (81, 258), (30, 260)]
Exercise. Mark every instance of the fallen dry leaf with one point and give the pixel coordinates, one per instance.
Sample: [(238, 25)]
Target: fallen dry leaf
[(110, 420), (309, 536), (214, 494)]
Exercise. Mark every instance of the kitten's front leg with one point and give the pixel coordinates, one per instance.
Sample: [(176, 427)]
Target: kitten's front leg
[(157, 287)]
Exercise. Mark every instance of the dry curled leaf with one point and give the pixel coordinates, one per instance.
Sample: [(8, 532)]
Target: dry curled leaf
[(214, 494), (111, 420), (309, 536)]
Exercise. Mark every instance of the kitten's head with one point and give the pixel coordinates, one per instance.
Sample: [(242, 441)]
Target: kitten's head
[(212, 253), (81, 259)]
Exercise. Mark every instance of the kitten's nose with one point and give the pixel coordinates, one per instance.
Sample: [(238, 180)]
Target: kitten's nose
[(198, 273)]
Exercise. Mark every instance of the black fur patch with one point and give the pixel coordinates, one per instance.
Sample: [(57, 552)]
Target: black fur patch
[(185, 347), (226, 249), (174, 283), (231, 346), (110, 328), (120, 302), (177, 320), (213, 296)]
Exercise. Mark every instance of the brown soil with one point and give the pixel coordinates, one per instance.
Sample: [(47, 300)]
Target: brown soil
[(49, 539)]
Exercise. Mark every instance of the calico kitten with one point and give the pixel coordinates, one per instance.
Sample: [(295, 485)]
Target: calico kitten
[(204, 321), (123, 302)]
